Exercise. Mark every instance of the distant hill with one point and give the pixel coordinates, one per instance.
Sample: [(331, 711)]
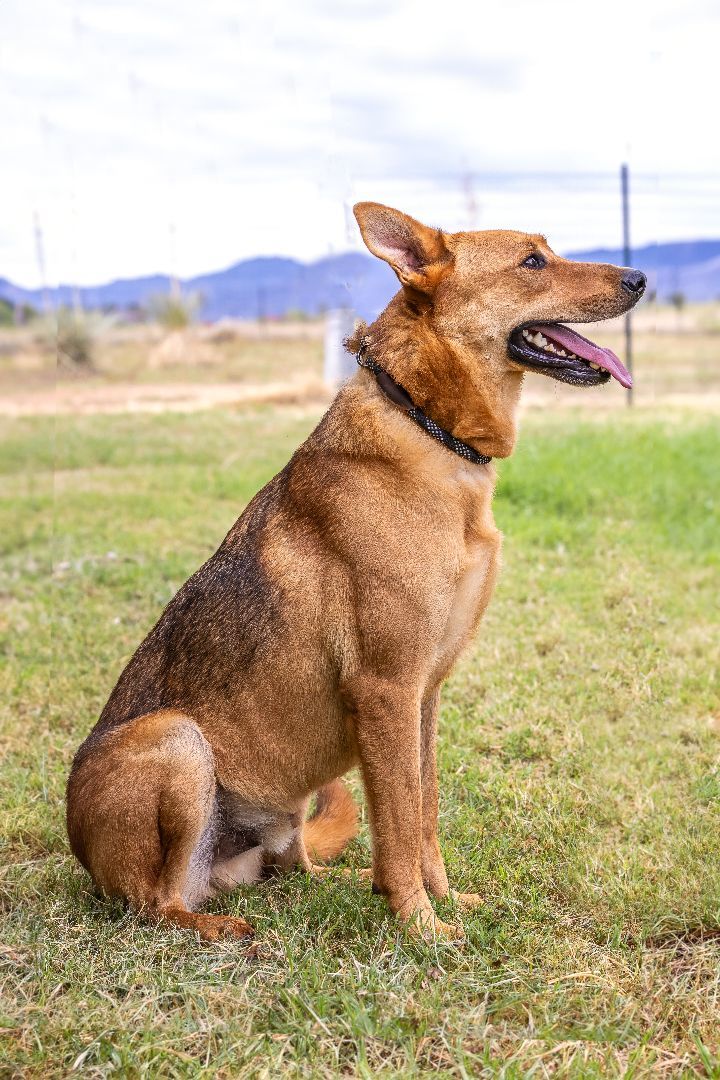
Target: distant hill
[(273, 286), (691, 267)]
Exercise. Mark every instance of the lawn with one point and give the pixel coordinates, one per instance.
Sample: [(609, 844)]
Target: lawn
[(579, 750)]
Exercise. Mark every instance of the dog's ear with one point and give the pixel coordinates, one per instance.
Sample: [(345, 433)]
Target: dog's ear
[(417, 254)]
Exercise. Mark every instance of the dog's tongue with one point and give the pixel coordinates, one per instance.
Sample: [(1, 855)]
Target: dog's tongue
[(579, 345)]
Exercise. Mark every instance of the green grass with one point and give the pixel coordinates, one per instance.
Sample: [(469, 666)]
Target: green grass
[(579, 750)]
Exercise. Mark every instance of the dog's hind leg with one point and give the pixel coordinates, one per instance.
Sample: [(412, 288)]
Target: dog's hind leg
[(141, 818), (245, 868)]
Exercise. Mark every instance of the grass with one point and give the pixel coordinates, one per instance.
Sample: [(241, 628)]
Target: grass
[(580, 741)]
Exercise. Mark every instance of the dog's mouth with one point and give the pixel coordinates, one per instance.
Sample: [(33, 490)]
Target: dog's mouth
[(555, 350)]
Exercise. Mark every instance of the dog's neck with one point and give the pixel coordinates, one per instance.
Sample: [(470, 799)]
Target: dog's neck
[(447, 378)]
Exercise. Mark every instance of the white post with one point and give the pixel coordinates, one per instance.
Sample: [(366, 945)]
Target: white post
[(339, 364)]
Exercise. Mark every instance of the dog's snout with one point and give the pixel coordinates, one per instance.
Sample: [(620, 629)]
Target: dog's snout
[(634, 282)]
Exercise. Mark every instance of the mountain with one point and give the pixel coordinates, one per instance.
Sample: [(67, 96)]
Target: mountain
[(690, 267), (271, 286)]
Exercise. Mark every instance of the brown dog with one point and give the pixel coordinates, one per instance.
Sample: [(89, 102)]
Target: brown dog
[(319, 634)]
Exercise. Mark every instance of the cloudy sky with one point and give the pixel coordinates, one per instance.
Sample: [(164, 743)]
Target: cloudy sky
[(165, 135)]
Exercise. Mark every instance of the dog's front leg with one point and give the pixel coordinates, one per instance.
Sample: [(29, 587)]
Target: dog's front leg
[(433, 865), (387, 722)]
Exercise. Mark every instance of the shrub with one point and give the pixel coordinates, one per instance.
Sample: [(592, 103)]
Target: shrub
[(7, 312), (174, 310), (75, 340), (75, 336)]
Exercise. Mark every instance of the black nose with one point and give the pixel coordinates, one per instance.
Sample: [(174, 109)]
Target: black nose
[(634, 282)]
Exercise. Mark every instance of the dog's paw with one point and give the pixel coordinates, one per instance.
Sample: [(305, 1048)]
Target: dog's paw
[(425, 926), (217, 927), (467, 901)]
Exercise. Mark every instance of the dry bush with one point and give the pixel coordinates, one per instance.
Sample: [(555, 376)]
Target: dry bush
[(174, 310), (75, 336)]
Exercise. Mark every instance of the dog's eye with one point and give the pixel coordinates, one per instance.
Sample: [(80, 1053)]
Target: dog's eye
[(534, 262)]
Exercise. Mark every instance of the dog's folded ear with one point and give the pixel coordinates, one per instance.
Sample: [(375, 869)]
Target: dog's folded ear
[(417, 253)]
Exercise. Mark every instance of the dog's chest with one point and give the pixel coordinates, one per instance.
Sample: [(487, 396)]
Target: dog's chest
[(470, 592)]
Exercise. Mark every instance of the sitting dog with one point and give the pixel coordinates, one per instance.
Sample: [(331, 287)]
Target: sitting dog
[(319, 634)]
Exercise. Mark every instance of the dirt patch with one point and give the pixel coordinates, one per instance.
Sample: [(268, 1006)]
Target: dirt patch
[(82, 398)]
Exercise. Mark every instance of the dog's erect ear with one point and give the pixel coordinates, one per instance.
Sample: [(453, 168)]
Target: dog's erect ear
[(416, 253)]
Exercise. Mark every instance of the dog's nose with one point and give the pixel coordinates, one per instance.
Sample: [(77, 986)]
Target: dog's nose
[(634, 282)]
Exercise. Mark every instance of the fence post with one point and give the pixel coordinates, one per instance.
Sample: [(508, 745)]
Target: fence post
[(627, 256), (338, 363)]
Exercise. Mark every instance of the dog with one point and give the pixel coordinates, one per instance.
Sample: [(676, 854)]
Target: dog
[(318, 636)]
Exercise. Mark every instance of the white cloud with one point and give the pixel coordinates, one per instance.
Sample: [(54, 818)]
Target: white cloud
[(156, 135)]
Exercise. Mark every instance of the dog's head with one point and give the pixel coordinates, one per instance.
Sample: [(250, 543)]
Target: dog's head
[(505, 294)]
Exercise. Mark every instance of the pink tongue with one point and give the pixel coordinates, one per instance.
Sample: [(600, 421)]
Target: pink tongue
[(605, 358)]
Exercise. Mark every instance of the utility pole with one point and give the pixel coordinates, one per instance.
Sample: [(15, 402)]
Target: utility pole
[(625, 188), (175, 291), (261, 305), (40, 259)]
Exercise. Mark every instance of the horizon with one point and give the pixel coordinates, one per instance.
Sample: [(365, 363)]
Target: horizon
[(185, 278)]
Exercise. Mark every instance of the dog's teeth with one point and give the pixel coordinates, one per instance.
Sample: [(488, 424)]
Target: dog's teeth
[(562, 353), (595, 367), (526, 333)]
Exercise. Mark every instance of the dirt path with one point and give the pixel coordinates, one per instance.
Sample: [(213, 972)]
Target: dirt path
[(81, 398)]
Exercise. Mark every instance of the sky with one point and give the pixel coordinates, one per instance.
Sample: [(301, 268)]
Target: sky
[(152, 136)]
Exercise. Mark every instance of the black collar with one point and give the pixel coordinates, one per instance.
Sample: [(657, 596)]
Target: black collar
[(400, 397)]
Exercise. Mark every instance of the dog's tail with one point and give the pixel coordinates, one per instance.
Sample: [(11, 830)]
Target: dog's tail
[(334, 823)]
